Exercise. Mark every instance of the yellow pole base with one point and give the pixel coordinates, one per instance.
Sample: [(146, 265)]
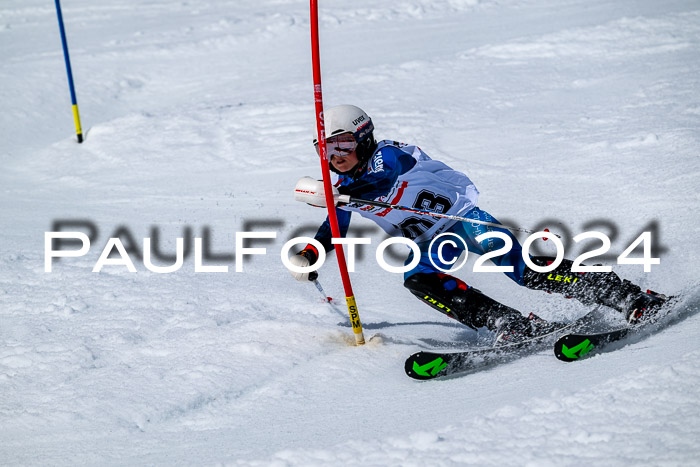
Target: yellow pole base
[(76, 118), (355, 320)]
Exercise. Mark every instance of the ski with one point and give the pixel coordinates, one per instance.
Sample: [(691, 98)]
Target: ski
[(427, 365), (572, 347), (575, 346)]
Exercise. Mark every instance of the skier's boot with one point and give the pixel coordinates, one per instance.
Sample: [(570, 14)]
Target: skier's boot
[(643, 306), (602, 288), (469, 306)]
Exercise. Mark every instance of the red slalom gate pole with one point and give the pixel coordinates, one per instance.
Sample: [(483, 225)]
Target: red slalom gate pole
[(327, 187)]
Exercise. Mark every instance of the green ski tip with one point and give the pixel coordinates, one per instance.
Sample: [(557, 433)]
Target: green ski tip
[(577, 351), (436, 366)]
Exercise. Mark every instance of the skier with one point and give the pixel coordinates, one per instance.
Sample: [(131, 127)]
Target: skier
[(394, 172)]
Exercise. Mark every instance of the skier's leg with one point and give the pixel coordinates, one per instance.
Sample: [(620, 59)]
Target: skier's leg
[(603, 288), (469, 231), (466, 304), (589, 288), (456, 299)]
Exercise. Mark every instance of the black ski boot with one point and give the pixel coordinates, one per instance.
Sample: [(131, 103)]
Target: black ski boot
[(469, 306), (592, 288), (643, 306)]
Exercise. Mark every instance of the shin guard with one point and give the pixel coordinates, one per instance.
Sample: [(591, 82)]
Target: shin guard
[(603, 288), (467, 305)]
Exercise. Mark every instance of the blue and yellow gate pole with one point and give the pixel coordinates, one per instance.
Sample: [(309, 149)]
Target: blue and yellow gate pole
[(74, 101)]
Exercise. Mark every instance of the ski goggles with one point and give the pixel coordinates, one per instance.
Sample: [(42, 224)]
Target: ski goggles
[(339, 145)]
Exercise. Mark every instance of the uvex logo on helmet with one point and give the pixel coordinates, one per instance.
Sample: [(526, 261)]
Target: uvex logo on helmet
[(358, 120)]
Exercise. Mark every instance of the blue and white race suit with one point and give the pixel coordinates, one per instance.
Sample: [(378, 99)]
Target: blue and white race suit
[(402, 174)]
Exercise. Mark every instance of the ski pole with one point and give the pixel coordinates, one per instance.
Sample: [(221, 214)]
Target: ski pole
[(328, 299), (346, 199)]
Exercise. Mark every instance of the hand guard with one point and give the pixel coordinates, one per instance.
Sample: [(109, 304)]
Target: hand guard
[(310, 191), (306, 257)]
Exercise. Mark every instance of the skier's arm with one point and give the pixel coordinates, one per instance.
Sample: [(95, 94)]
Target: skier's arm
[(383, 170), (309, 255), (324, 234)]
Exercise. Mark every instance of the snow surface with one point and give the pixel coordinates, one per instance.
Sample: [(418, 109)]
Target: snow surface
[(575, 114)]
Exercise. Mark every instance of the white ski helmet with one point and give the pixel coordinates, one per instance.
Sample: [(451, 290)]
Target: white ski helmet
[(350, 119)]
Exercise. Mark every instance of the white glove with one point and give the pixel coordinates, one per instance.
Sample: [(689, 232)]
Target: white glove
[(301, 260), (310, 191)]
